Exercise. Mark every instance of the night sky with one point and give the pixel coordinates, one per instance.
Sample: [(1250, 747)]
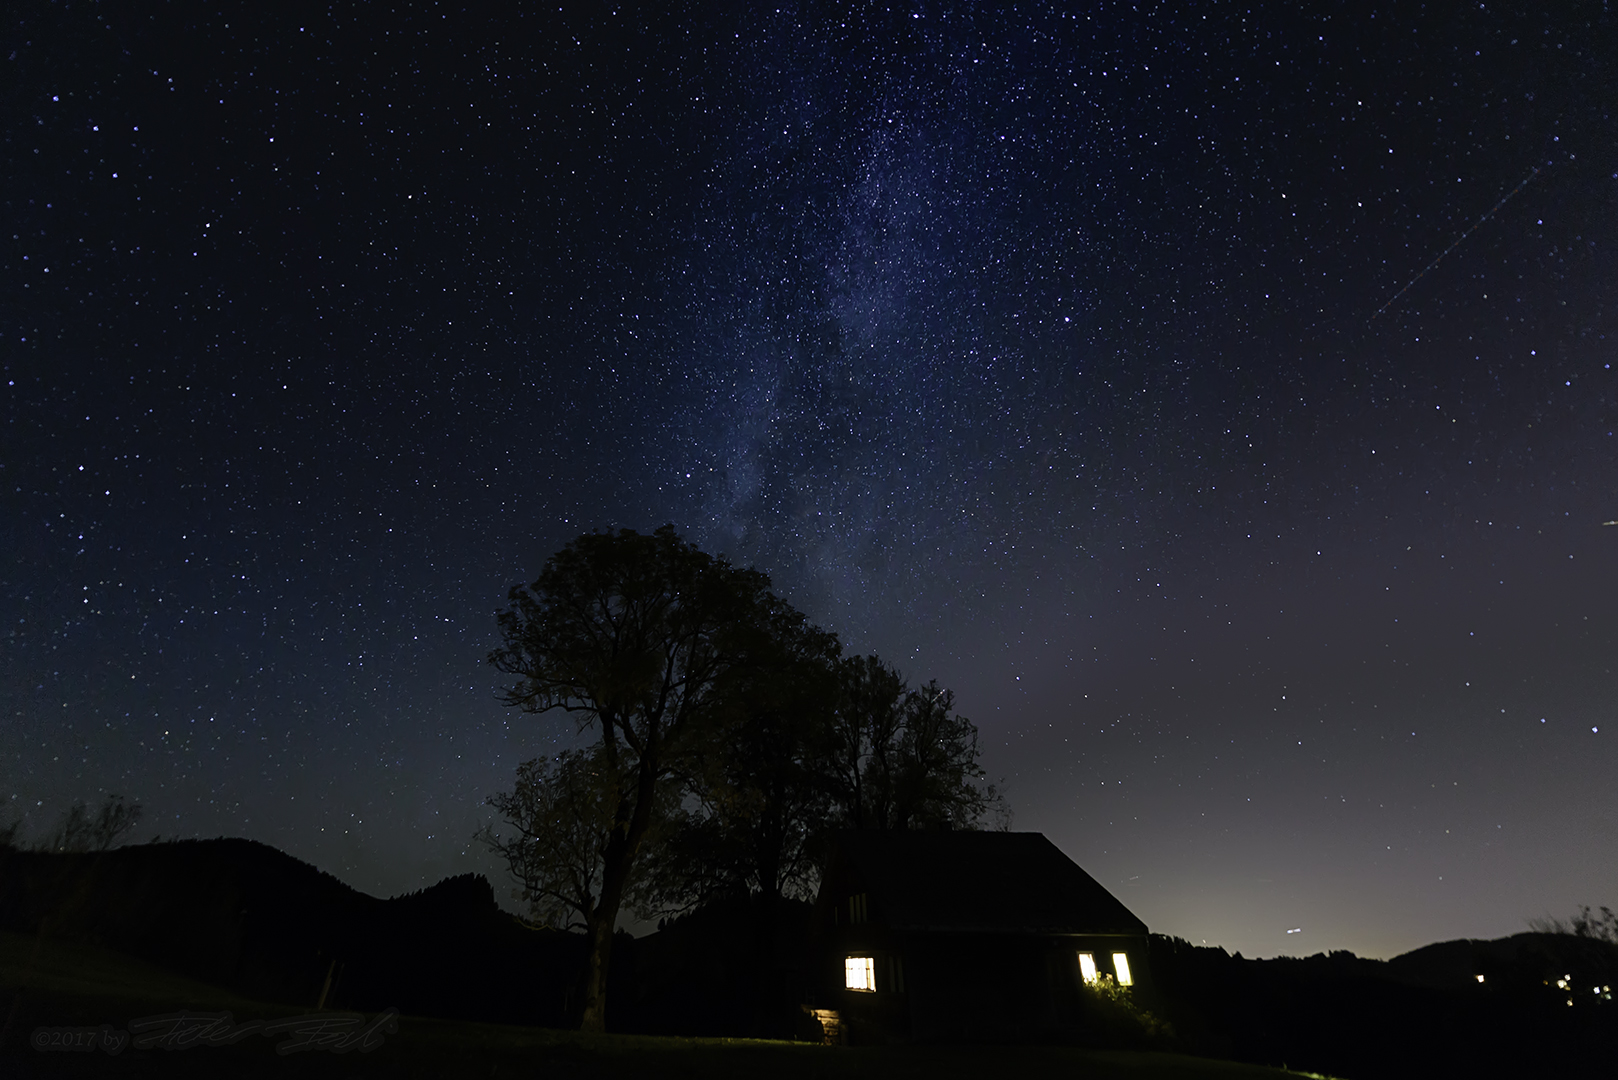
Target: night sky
[(1045, 352)]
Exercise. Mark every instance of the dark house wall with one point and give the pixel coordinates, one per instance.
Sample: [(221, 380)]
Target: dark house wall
[(967, 987), (879, 1016), (983, 988), (841, 929)]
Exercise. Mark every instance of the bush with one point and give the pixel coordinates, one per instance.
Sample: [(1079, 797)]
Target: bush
[(1113, 1019)]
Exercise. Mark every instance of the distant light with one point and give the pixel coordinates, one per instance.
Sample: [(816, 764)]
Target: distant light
[(1120, 964), (1296, 930), (1480, 978)]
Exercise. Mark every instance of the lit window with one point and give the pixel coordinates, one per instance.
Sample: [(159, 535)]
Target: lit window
[(859, 973), (1120, 964), (1087, 967)]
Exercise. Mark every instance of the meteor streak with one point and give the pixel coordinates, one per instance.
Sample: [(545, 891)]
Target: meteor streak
[(1503, 199)]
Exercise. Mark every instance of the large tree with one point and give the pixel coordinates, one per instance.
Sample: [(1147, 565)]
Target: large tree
[(643, 639)]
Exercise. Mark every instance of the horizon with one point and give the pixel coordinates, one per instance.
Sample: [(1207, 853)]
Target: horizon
[(640, 927)]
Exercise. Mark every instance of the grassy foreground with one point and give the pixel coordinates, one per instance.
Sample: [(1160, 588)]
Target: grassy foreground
[(59, 985)]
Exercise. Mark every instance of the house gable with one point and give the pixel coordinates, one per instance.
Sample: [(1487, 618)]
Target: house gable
[(962, 935)]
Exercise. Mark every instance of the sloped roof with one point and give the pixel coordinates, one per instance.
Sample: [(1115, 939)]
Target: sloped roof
[(980, 882)]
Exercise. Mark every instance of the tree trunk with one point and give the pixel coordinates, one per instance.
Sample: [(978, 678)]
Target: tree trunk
[(618, 864), (595, 975), (767, 1003)]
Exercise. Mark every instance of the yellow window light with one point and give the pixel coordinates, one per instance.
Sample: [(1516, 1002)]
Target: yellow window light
[(1087, 967), (1120, 964), (859, 973)]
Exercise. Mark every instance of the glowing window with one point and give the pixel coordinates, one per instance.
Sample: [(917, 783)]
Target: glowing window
[(1120, 964), (859, 973), (1087, 966)]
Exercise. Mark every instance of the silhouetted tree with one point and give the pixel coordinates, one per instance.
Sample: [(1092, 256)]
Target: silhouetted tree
[(642, 638), (1602, 927), (939, 782), (817, 743), (859, 752), (896, 758), (563, 811), (81, 830), (757, 802)]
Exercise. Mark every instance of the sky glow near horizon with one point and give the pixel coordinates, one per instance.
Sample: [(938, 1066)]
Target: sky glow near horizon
[(1046, 353)]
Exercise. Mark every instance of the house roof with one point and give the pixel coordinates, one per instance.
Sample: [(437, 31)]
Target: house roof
[(980, 882)]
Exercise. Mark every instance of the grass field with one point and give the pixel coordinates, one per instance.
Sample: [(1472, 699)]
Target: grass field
[(59, 985)]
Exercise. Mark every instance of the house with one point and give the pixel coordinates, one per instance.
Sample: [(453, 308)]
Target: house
[(950, 936)]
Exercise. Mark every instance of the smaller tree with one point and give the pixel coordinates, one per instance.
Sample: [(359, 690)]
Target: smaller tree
[(940, 783), (896, 758), (859, 754), (80, 830)]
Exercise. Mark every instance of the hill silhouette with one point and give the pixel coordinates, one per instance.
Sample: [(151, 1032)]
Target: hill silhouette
[(242, 915)]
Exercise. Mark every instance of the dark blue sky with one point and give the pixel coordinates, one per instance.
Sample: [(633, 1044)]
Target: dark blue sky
[(1037, 349)]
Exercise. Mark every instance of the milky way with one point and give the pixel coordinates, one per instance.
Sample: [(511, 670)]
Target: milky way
[(1048, 353)]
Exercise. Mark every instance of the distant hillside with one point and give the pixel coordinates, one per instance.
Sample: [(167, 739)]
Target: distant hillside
[(1526, 962), (1422, 1014), (245, 916)]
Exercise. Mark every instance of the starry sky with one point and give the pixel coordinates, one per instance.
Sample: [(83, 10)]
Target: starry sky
[(1090, 359)]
